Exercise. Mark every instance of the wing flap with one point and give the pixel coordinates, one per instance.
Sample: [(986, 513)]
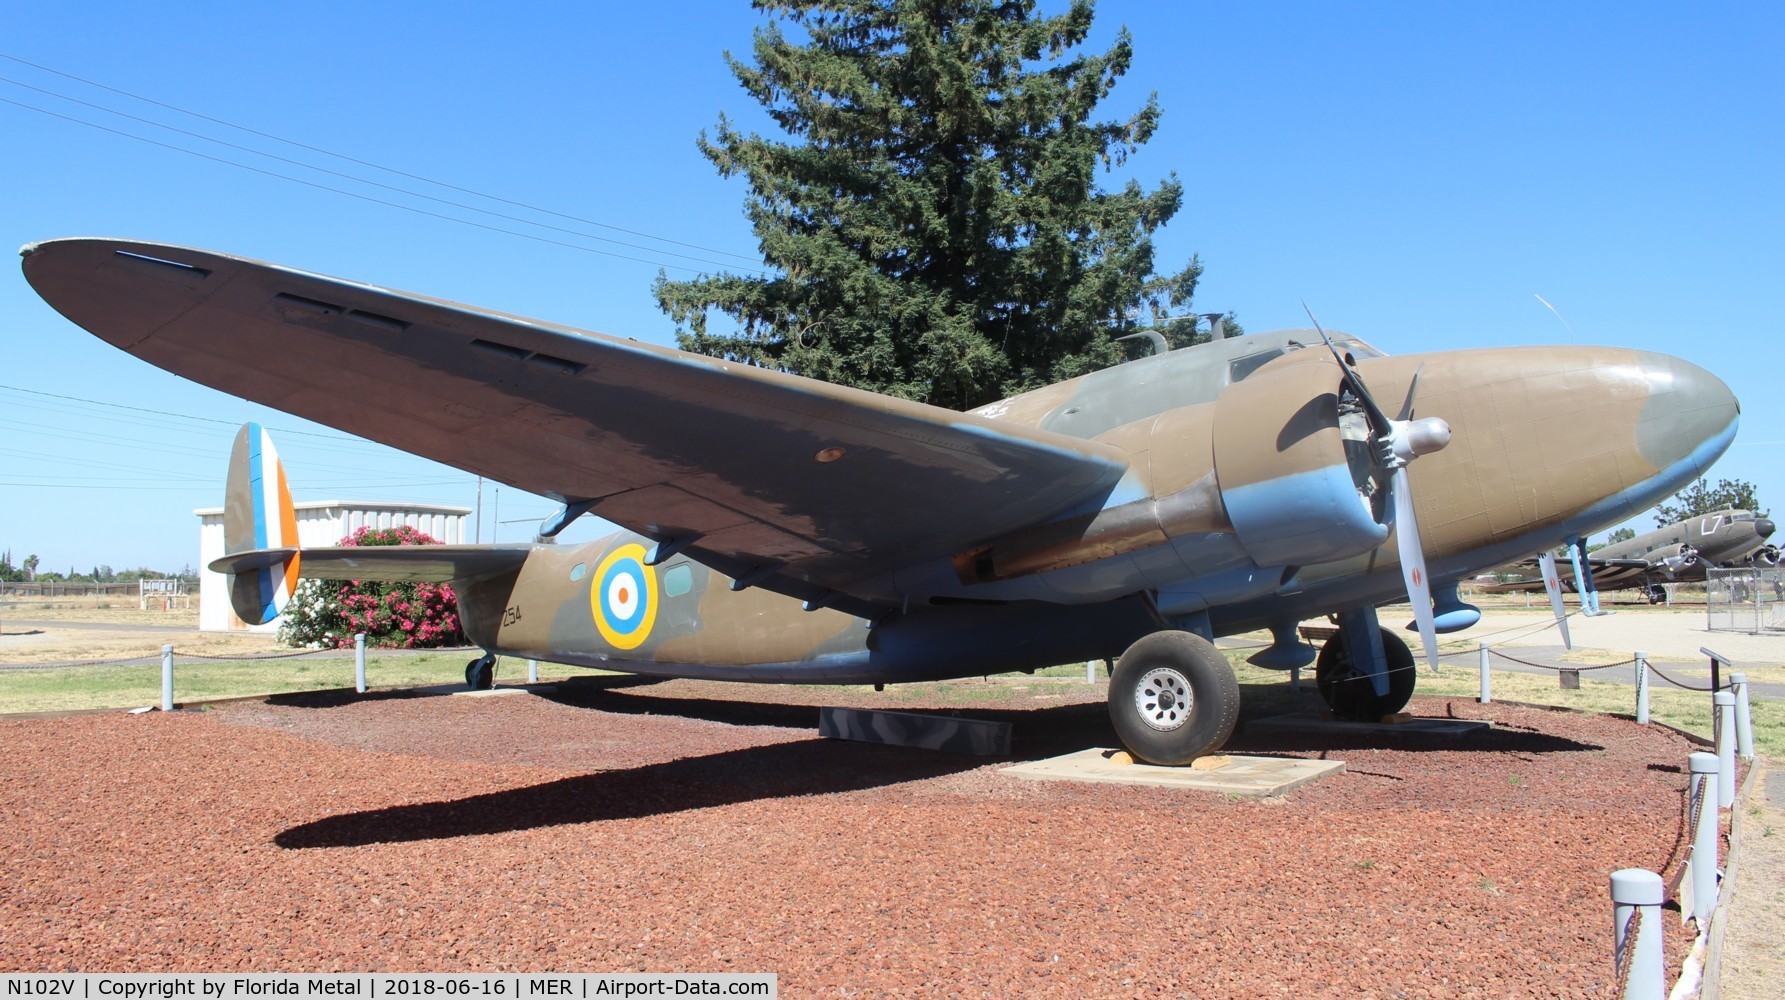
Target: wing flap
[(839, 486)]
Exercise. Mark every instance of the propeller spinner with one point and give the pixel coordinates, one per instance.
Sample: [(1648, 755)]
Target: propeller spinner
[(1395, 443)]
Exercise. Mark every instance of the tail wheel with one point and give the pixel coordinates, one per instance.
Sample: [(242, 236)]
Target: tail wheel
[(1173, 698), (1350, 693), (480, 674)]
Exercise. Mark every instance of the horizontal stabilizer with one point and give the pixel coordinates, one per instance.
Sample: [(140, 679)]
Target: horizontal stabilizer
[(391, 563)]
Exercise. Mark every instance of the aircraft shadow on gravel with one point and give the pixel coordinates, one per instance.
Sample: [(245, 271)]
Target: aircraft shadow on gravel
[(805, 767), (782, 770)]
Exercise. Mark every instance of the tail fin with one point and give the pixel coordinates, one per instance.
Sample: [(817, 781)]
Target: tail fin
[(258, 517)]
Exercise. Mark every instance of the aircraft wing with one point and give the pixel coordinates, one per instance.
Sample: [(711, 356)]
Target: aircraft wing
[(799, 486), (1608, 574), (396, 563)]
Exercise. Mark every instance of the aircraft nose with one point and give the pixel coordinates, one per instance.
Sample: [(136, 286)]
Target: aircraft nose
[(1763, 526), (1548, 441), (1688, 416)]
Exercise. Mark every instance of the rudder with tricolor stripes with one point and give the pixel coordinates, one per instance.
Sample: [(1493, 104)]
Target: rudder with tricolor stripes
[(258, 516)]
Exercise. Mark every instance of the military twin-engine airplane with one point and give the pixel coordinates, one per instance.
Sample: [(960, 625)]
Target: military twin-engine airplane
[(781, 529), (1679, 552)]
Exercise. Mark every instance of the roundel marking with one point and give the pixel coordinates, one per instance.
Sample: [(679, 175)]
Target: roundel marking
[(623, 597)]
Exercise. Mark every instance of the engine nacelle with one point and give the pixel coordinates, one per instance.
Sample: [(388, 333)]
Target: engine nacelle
[(1294, 473), (1685, 559)]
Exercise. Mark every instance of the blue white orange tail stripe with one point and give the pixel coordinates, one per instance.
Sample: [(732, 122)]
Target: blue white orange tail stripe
[(258, 515)]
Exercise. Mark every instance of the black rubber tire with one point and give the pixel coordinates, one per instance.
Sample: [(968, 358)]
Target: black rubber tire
[(1657, 594), (1350, 694), (480, 674), (1213, 705)]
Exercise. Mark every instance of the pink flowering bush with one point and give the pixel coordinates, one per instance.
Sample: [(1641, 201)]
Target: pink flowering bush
[(327, 613)]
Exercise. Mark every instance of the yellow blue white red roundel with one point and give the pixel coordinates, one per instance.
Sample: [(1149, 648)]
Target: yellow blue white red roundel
[(623, 595)]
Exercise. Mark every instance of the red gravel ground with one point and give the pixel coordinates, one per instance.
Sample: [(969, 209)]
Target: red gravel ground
[(664, 827)]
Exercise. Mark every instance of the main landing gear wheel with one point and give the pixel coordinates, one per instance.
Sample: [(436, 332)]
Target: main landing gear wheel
[(1173, 698), (480, 674), (1349, 691)]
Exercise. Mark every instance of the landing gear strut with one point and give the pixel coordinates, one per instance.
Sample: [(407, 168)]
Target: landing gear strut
[(480, 674), (1173, 698), (1349, 689)]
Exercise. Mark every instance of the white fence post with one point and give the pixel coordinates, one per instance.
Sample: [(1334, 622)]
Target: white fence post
[(1725, 748), (1744, 723), (1487, 690), (167, 677), (1642, 687), (359, 662), (1637, 892), (1702, 876), (1090, 671), (532, 671)]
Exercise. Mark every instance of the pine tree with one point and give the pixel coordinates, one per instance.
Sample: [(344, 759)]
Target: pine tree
[(936, 232)]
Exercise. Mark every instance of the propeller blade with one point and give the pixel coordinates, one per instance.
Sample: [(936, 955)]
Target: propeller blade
[(1412, 388), (1553, 584), (1379, 422), (1413, 566)]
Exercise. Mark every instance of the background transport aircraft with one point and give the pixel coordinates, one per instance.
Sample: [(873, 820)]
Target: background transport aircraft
[(780, 529), (1677, 553)]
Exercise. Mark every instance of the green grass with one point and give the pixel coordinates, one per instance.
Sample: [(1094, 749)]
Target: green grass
[(1687, 710), (62, 689), (1263, 691)]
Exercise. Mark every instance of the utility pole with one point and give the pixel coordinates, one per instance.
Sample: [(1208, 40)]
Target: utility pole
[(477, 532)]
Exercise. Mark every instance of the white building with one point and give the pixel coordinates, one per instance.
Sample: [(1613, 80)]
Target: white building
[(322, 523)]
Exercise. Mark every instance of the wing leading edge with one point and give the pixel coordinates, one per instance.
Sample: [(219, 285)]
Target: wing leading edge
[(793, 484)]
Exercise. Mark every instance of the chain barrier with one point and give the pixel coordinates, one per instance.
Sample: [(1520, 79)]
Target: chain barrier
[(1679, 684), (1364, 677), (81, 663), (260, 656), (1621, 975), (1528, 629), (153, 659), (1682, 850), (1546, 666)]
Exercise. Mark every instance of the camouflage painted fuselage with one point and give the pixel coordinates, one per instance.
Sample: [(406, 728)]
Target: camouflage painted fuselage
[(1248, 501)]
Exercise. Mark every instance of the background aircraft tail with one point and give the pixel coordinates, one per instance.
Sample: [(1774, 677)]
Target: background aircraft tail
[(258, 517)]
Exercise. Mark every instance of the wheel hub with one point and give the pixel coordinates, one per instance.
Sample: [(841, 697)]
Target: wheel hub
[(1163, 699)]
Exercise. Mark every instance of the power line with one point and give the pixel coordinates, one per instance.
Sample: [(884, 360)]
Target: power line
[(361, 180), (181, 416), (755, 262), (343, 191)]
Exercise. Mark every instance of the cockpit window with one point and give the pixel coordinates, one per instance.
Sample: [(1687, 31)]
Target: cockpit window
[(1356, 348), (1239, 368), (1746, 515)]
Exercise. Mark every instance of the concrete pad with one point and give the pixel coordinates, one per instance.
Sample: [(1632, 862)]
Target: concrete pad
[(1310, 722), (491, 693), (1256, 777)]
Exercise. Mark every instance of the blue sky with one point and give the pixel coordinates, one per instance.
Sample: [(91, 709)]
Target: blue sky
[(1419, 173)]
